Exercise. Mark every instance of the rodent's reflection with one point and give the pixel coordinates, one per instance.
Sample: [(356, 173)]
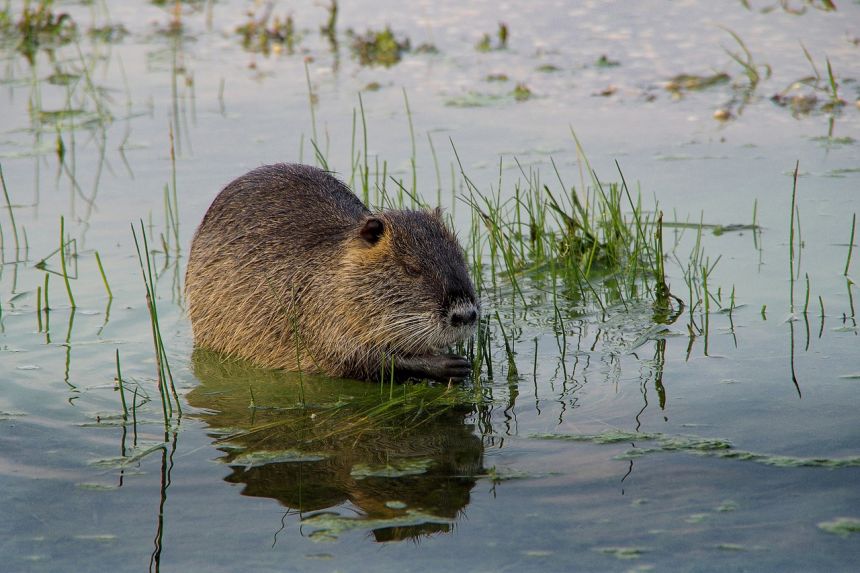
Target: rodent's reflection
[(392, 453)]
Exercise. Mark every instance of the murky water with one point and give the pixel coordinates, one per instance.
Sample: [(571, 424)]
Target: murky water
[(601, 441)]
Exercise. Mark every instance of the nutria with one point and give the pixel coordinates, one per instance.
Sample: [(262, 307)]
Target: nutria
[(290, 270)]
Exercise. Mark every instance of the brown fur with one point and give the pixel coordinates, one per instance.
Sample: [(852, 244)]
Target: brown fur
[(281, 273)]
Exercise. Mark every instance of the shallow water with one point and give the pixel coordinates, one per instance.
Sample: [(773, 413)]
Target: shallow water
[(618, 443)]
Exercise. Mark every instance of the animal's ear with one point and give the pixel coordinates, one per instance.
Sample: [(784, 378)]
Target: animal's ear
[(437, 212), (372, 230)]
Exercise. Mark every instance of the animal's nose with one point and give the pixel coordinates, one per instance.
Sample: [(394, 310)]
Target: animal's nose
[(464, 316)]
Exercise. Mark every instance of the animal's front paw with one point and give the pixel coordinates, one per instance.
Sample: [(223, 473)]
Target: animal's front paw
[(442, 367)]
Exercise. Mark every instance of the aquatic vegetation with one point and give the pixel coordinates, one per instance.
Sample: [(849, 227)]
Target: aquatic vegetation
[(623, 552), (329, 30), (604, 61), (583, 237), (475, 99), (380, 47), (754, 71), (590, 290), (790, 7), (259, 35), (328, 526), (690, 82), (40, 27), (110, 33), (166, 388), (841, 526), (708, 447), (485, 44), (259, 458), (522, 92), (802, 95)]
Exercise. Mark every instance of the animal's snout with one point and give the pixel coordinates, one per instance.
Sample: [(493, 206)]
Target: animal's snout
[(463, 315)]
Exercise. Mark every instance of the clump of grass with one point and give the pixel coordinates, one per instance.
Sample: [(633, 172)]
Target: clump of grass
[(485, 44), (605, 62), (39, 26), (259, 35), (522, 92), (802, 101), (599, 240), (378, 47)]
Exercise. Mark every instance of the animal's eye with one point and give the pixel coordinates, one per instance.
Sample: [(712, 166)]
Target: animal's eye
[(412, 270)]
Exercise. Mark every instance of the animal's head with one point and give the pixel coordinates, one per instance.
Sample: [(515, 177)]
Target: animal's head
[(408, 281)]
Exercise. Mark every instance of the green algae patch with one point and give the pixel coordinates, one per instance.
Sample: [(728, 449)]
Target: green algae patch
[(841, 526), (608, 437), (605, 62), (328, 526), (623, 552), (475, 99), (709, 447), (727, 506), (133, 456), (100, 537), (731, 547), (691, 82), (264, 457), (506, 474), (522, 92), (399, 468), (538, 553), (95, 486), (378, 48)]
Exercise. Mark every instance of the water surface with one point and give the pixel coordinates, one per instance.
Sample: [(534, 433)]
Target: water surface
[(616, 443)]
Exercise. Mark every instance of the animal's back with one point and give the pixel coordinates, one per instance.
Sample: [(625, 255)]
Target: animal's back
[(267, 236)]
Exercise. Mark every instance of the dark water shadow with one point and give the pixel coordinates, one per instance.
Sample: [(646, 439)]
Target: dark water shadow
[(399, 461)]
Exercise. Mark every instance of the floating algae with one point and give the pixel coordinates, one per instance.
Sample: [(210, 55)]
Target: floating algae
[(328, 526), (264, 457), (841, 526), (711, 447), (623, 552)]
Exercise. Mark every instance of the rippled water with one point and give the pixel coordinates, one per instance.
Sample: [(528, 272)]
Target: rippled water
[(616, 444)]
